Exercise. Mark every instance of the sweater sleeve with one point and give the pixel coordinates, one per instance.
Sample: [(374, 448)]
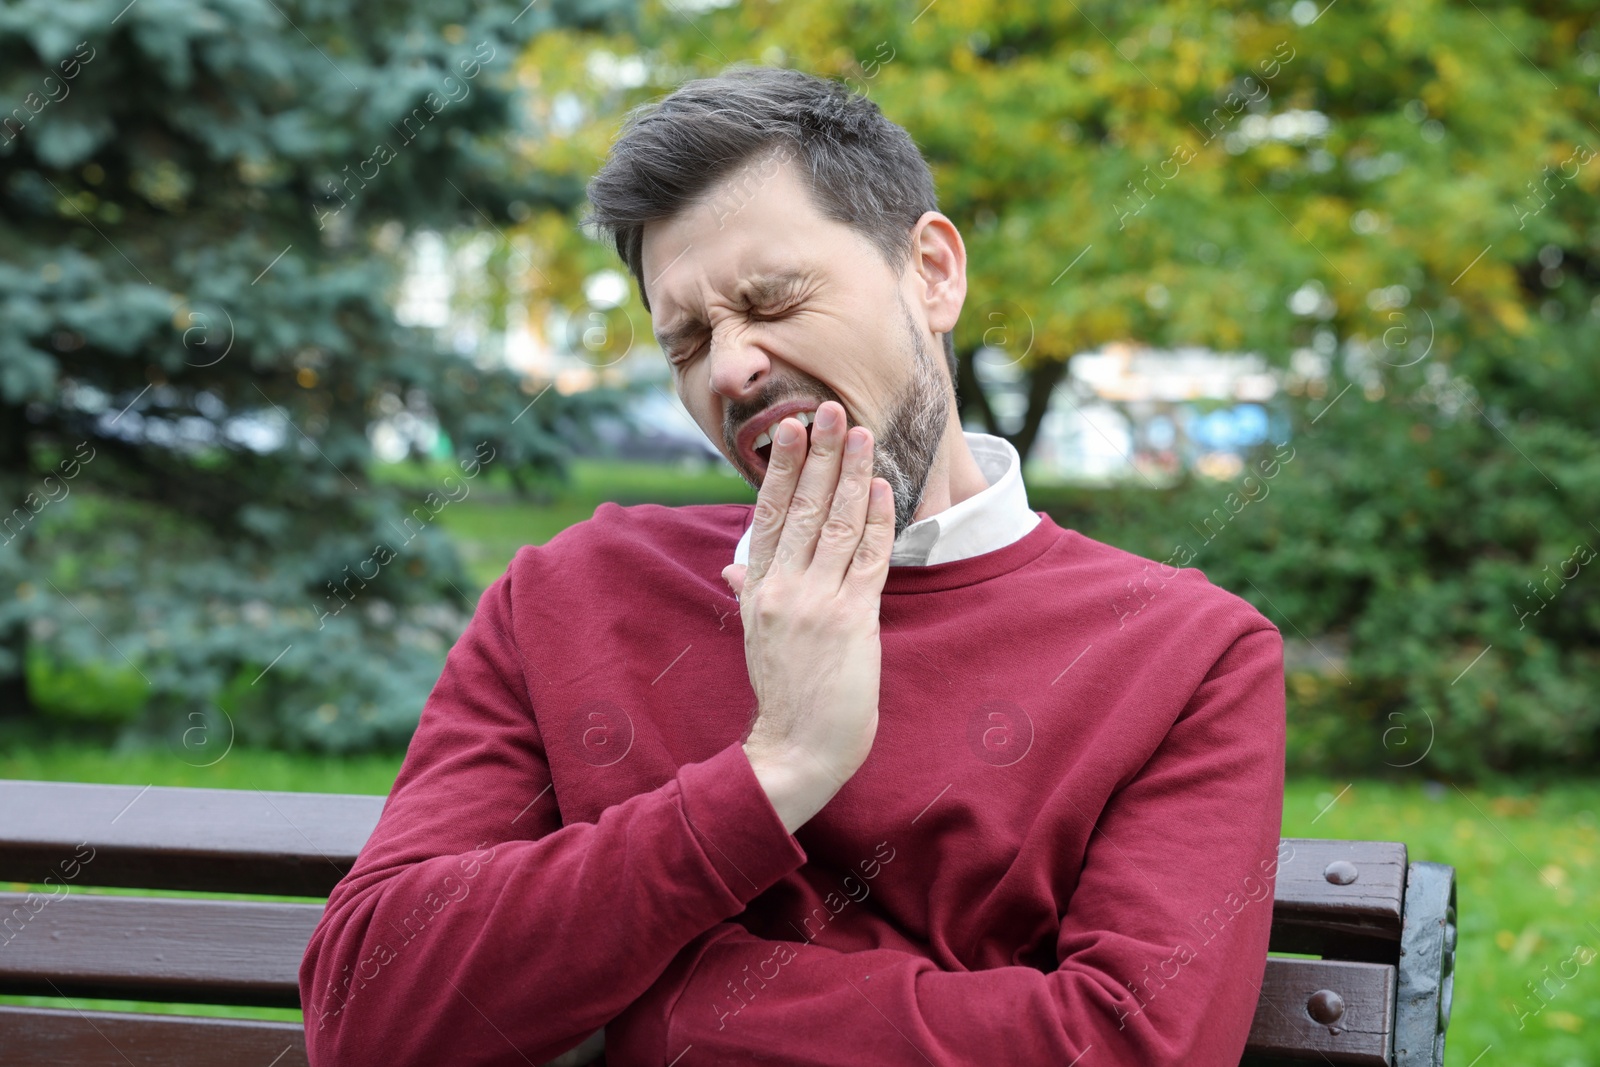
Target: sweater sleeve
[(474, 928), (1160, 954)]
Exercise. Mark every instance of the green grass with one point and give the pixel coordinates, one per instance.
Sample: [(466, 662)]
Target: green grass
[(1525, 893), (1525, 866), (66, 761)]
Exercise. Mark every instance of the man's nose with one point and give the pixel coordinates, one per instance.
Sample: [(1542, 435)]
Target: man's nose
[(738, 367)]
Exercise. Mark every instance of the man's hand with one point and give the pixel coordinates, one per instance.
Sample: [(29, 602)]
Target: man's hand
[(809, 600)]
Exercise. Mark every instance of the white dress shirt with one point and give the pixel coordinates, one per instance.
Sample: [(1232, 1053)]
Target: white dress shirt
[(989, 519)]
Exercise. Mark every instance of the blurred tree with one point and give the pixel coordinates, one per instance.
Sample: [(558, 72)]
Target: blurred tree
[(1390, 198), (202, 204), (1170, 174)]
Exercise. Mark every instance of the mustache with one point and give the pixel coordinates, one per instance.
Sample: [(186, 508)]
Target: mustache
[(738, 416)]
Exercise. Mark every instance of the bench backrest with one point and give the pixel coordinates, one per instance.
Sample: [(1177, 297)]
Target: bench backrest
[(1379, 994)]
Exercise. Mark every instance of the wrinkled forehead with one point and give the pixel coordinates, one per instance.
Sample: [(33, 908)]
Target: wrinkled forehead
[(760, 211)]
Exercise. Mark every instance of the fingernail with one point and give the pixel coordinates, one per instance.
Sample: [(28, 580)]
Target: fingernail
[(854, 442), (785, 432), (828, 417)]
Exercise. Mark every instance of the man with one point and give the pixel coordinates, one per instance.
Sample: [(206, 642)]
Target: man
[(886, 769)]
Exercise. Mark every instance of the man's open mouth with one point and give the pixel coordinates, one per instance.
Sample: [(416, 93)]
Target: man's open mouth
[(763, 442)]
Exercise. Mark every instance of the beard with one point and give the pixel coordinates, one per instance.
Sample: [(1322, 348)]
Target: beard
[(907, 443), (914, 429)]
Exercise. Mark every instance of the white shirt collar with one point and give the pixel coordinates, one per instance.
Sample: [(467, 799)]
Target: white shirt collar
[(989, 519)]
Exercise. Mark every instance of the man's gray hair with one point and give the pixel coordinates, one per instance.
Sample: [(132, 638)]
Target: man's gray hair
[(862, 169)]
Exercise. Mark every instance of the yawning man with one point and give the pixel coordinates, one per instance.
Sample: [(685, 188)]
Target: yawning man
[(887, 768)]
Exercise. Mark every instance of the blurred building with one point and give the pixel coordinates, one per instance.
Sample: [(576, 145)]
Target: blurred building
[(1131, 411)]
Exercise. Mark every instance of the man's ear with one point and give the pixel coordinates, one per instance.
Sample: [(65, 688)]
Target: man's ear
[(939, 259)]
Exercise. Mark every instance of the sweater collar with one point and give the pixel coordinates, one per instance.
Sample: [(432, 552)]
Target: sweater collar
[(988, 520)]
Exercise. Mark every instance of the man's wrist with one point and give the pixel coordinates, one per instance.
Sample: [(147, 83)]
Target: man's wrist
[(796, 788)]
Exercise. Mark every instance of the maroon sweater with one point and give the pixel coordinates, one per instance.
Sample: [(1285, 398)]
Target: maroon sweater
[(1061, 849)]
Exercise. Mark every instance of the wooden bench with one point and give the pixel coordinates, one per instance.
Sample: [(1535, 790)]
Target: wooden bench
[(1380, 993)]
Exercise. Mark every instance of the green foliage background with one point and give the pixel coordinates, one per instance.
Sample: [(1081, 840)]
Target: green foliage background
[(201, 208), (1394, 203)]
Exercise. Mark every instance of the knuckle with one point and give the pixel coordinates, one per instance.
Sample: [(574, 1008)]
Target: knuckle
[(766, 611), (767, 513), (762, 600), (839, 528), (850, 490), (869, 553), (804, 509)]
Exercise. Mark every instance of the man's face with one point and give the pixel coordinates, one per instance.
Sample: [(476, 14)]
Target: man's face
[(765, 308)]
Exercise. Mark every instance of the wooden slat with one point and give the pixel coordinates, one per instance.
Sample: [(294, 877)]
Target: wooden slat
[(250, 841), (47, 1037), (162, 949), (1363, 1034), (160, 837), (1359, 920)]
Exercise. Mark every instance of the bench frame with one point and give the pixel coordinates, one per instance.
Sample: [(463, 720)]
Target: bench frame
[(1380, 994)]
